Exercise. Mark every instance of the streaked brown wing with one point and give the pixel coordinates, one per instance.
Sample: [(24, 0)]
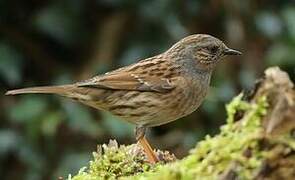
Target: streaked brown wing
[(124, 80)]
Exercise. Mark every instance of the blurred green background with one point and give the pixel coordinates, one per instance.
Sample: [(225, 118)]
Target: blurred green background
[(62, 41)]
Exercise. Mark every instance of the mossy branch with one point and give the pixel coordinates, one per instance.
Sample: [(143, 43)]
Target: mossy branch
[(256, 143)]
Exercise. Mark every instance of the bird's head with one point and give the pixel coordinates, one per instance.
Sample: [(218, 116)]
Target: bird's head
[(203, 49)]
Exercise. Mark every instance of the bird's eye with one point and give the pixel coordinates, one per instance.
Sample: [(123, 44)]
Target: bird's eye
[(213, 49)]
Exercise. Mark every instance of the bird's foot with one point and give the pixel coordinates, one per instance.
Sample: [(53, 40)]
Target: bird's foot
[(151, 155)]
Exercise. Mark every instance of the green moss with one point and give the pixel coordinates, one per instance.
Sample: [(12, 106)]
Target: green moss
[(111, 162), (213, 155), (237, 146)]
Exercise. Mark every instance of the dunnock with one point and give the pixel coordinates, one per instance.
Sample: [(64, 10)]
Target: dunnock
[(153, 91)]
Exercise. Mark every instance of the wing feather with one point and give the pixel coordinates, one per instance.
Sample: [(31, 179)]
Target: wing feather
[(124, 80)]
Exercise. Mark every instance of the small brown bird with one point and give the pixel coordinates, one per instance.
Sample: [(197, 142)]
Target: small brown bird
[(153, 91)]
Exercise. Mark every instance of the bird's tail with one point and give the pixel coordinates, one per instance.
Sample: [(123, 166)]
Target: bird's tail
[(61, 90)]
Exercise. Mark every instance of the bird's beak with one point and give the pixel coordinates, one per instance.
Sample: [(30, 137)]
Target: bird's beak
[(229, 51)]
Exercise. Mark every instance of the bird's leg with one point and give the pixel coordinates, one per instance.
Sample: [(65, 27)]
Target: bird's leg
[(140, 133)]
